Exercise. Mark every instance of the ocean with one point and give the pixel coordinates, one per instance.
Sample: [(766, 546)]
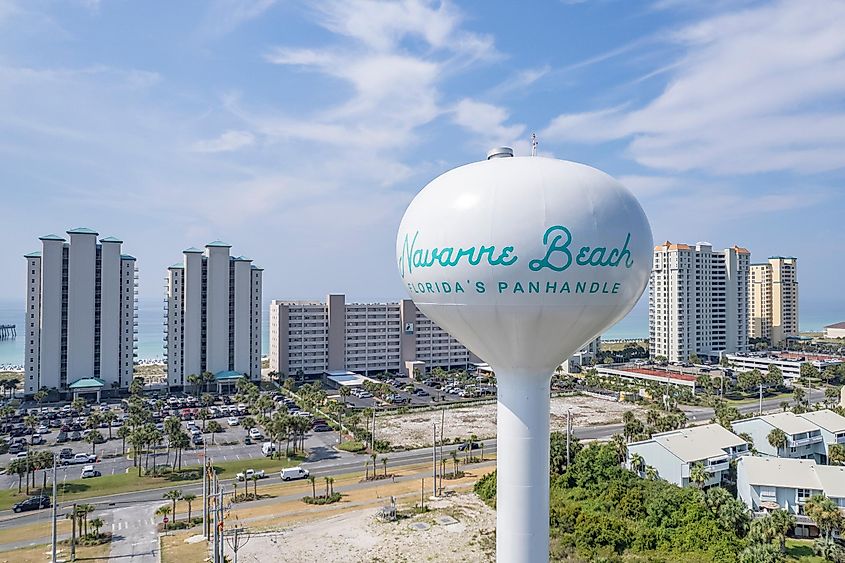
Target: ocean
[(151, 314)]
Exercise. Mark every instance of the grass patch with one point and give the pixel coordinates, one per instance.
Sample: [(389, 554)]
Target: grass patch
[(801, 550), (40, 554), (175, 550), (353, 446), (130, 482)]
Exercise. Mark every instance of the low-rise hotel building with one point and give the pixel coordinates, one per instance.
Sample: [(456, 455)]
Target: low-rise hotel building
[(313, 337), (804, 439)]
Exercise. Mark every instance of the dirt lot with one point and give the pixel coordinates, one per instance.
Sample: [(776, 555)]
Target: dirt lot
[(361, 536), (415, 429)]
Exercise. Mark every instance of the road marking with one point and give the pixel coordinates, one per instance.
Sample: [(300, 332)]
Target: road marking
[(112, 526), (238, 456)]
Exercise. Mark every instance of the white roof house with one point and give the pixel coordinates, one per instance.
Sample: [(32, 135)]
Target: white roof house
[(832, 427), (770, 483), (826, 419), (803, 437), (673, 453)]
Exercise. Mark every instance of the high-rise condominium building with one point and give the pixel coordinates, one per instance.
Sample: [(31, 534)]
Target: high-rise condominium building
[(81, 314), (313, 337), (213, 316), (773, 299), (698, 301)]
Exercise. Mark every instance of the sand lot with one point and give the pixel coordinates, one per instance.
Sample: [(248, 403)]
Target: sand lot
[(361, 537), (415, 429)]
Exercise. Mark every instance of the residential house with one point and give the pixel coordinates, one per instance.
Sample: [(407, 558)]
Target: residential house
[(803, 438), (832, 428), (673, 454), (766, 484)]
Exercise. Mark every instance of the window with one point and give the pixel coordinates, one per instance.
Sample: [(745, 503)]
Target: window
[(804, 494)]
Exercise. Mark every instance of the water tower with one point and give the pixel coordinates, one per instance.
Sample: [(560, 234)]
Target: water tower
[(524, 260)]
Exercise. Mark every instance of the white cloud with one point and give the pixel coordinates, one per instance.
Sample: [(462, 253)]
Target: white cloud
[(757, 90), (228, 141), (487, 122)]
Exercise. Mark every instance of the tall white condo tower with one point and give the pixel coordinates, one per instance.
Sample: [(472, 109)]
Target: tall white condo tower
[(524, 260)]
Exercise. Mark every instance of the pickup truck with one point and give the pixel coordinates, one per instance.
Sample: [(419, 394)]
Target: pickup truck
[(250, 474), (79, 459)]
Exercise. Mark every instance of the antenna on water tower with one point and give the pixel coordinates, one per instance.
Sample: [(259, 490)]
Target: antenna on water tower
[(534, 144)]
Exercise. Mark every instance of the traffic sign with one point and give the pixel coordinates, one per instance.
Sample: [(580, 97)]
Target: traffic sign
[(166, 520)]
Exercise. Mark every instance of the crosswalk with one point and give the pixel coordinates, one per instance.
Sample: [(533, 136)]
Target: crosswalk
[(125, 525)]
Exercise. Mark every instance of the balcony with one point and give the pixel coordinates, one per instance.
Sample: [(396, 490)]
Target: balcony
[(806, 441)]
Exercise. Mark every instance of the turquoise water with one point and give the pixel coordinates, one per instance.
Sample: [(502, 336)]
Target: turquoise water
[(150, 329)]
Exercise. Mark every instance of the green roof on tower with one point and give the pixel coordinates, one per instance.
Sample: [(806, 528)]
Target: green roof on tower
[(51, 237), (192, 250), (218, 243), (126, 257), (111, 239), (36, 254), (82, 231)]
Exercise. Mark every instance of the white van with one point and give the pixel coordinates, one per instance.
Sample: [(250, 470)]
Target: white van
[(294, 473), (268, 448)]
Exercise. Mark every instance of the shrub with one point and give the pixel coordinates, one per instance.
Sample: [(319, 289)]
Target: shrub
[(331, 499), (353, 446)]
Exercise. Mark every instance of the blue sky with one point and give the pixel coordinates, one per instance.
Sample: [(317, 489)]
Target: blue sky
[(299, 131)]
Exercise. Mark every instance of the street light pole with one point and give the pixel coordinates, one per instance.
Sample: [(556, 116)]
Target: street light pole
[(53, 532)]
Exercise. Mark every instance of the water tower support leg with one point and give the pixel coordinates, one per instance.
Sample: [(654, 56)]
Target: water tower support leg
[(522, 498)]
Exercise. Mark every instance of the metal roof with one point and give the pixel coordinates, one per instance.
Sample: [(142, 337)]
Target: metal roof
[(51, 237), (82, 231), (192, 250), (826, 419), (36, 254), (111, 239), (87, 383), (789, 422), (698, 442), (218, 244)]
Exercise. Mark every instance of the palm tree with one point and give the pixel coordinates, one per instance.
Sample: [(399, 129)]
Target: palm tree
[(373, 457), (194, 380), (699, 475), (189, 498), (636, 462), (84, 510), (96, 523), (777, 439), (327, 486), (39, 396), (824, 513), (454, 455), (836, 454), (94, 437), (650, 473), (621, 447), (384, 464), (313, 479), (109, 417), (214, 427), (331, 485), (781, 522), (173, 495), (204, 416), (18, 467), (255, 486), (163, 511)]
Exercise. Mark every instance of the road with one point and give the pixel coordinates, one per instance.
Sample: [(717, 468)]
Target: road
[(134, 533), (132, 528)]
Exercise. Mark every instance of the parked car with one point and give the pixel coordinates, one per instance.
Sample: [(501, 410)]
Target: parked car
[(321, 428), (197, 439), (250, 474), (75, 436), (32, 503), (294, 473), (88, 471), (79, 459), (66, 453), (255, 433), (232, 421), (61, 437)]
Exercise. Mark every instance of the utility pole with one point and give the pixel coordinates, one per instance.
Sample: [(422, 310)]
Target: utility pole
[(761, 398), (374, 428), (434, 460), (205, 498), (220, 522), (73, 534), (442, 459), (55, 512), (215, 542), (568, 432)]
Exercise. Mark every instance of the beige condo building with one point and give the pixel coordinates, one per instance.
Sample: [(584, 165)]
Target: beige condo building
[(698, 301), (773, 299)]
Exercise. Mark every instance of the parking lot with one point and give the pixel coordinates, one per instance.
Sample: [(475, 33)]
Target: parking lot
[(431, 389), (61, 429)]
